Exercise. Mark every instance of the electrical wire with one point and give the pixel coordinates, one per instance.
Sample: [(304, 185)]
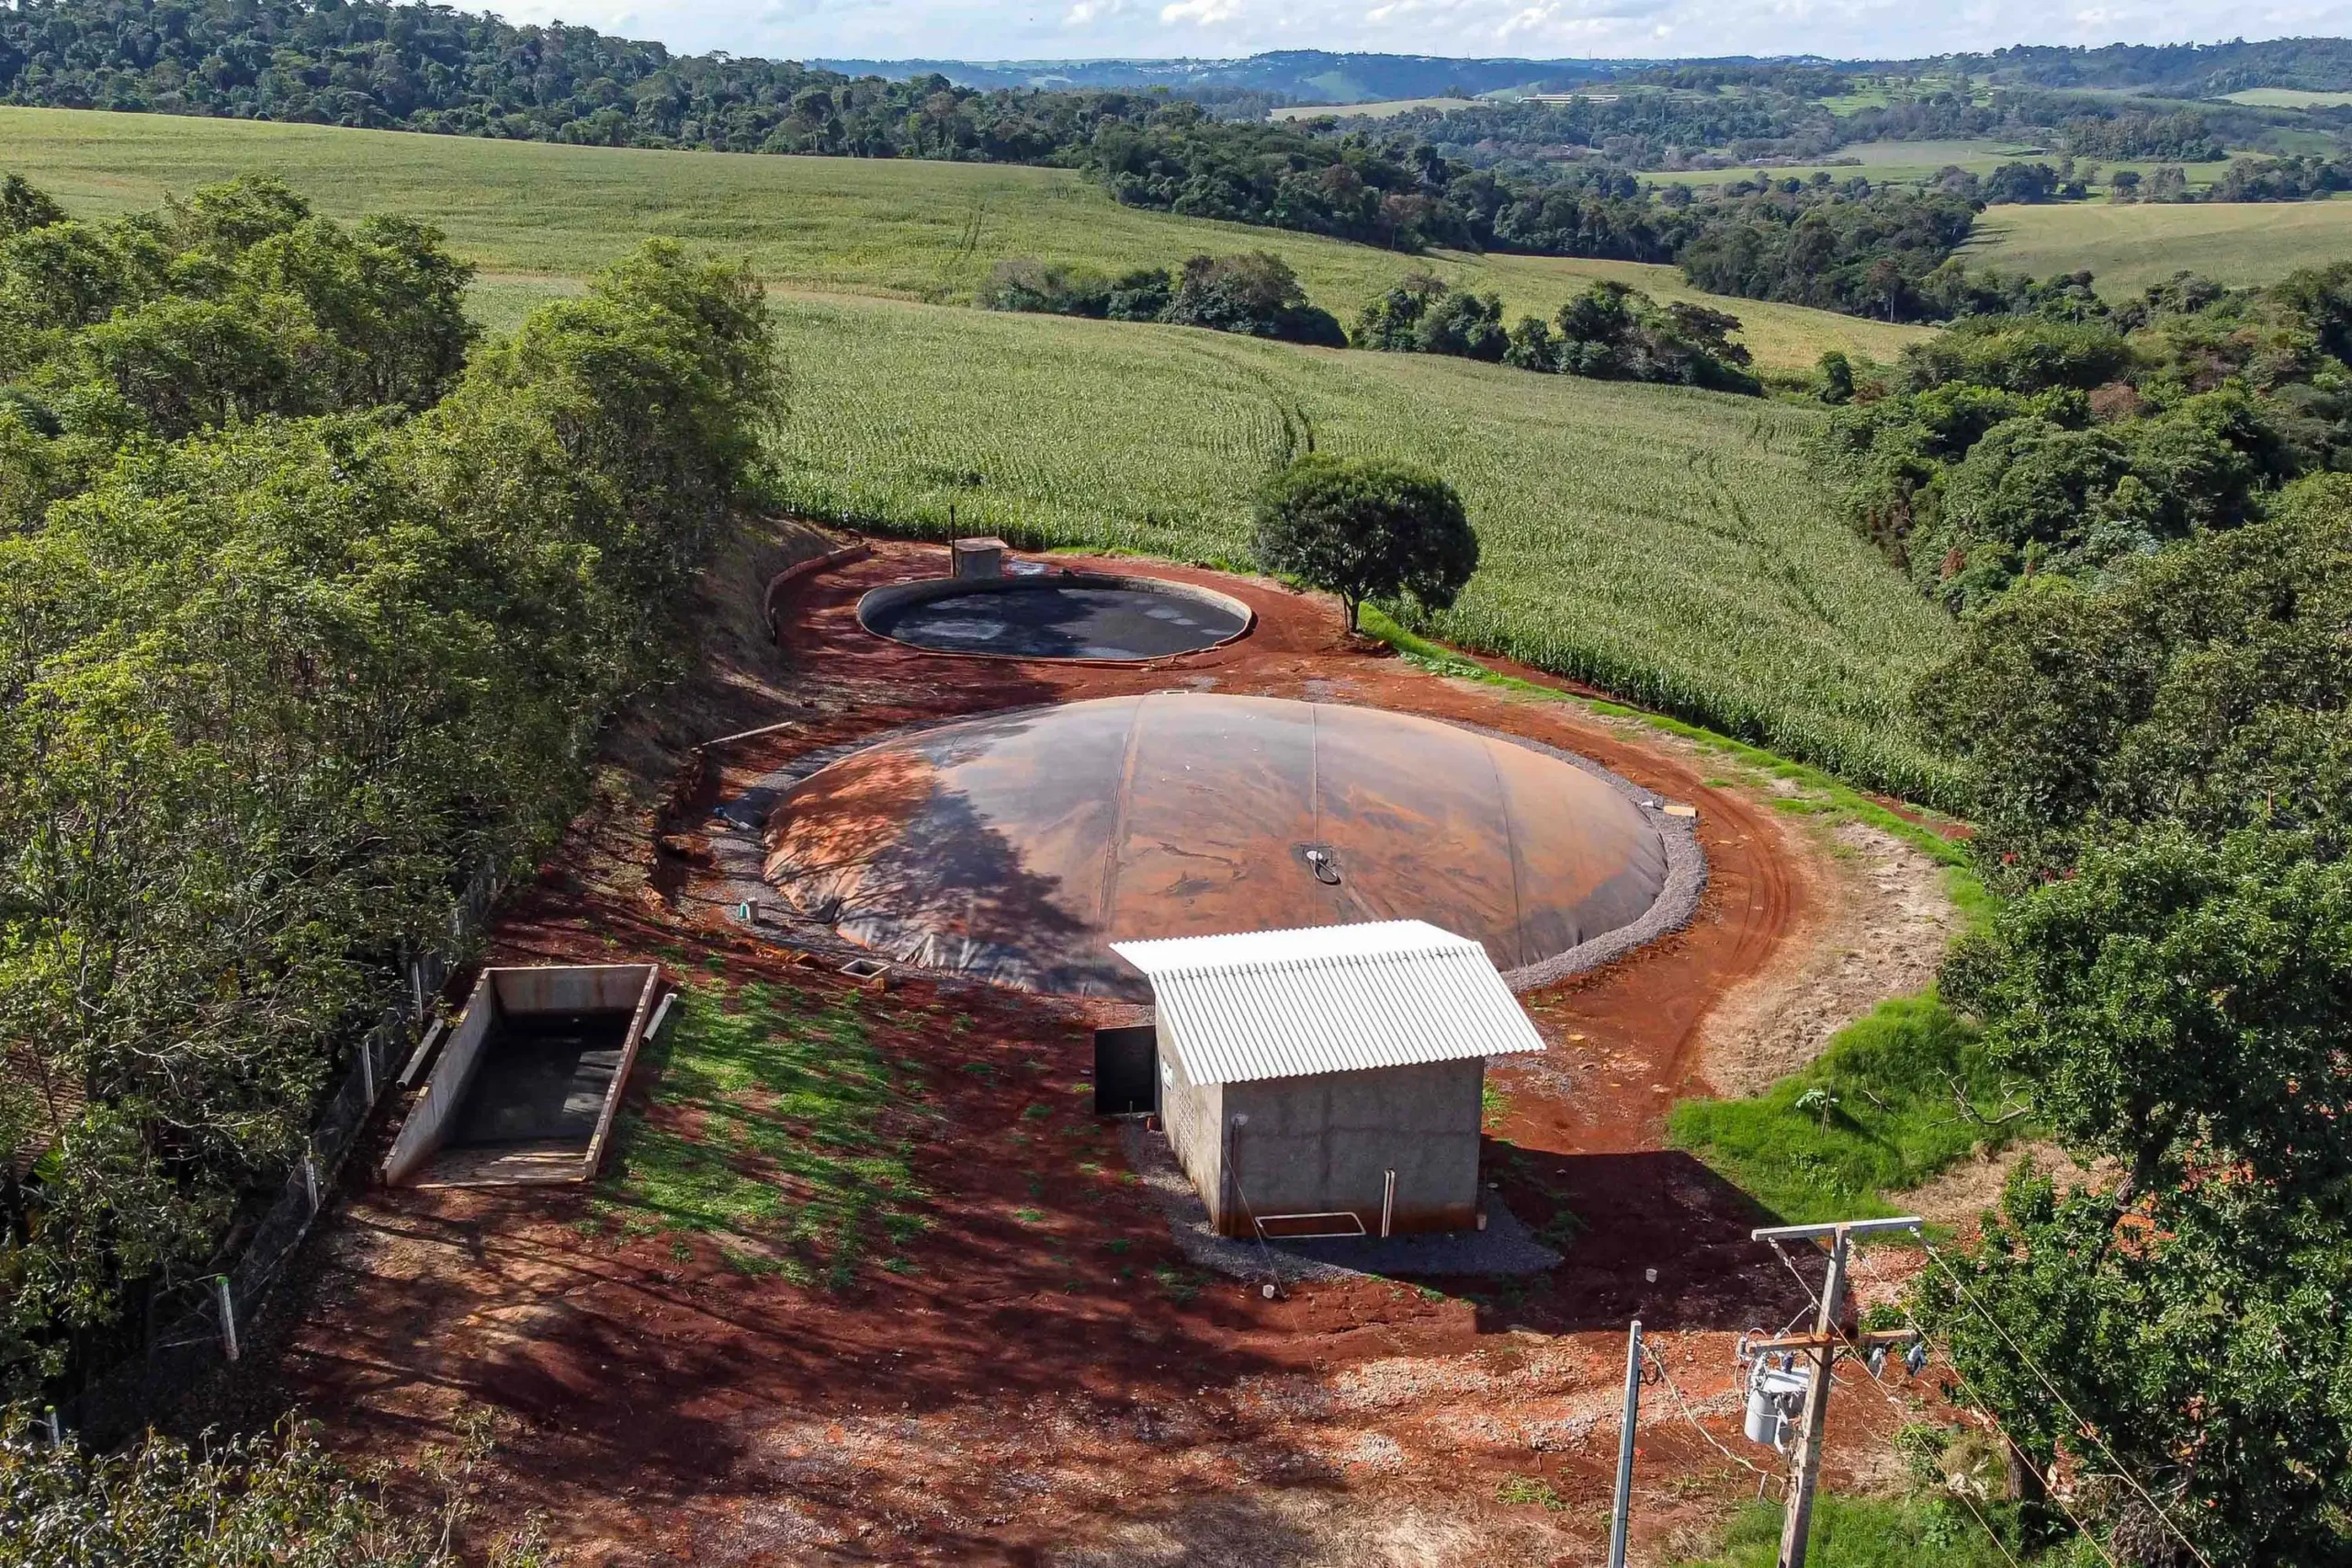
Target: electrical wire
[(1959, 1492), (2085, 1428), (1856, 1352)]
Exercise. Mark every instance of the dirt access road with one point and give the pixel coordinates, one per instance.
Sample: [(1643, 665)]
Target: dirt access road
[(1020, 1368)]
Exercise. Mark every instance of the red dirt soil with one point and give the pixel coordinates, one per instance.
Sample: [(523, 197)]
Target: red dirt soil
[(1050, 1382)]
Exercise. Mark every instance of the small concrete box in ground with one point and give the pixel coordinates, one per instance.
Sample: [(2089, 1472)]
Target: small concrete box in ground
[(978, 557), (530, 1079), (1330, 1081)]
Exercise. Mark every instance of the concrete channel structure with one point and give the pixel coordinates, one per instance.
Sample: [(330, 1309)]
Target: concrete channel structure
[(1329, 1081), (529, 1081)]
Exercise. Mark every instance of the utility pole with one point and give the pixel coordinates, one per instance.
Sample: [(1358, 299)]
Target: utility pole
[(1821, 1348), (1626, 1447)]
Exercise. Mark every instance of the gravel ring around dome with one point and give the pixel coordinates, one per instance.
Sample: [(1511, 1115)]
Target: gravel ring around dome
[(1678, 900)]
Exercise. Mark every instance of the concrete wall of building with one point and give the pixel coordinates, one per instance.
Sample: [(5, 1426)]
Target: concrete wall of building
[(1325, 1144), (1192, 1115)]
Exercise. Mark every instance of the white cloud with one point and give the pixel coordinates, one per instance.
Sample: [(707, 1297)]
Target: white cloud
[(1208, 13), (1002, 29)]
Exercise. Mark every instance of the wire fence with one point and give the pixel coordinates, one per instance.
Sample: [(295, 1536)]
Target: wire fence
[(202, 1325)]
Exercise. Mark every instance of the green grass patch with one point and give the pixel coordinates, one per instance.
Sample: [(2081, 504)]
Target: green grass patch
[(2132, 246), (1862, 1532), (771, 1134), (1530, 1489), (1181, 1284), (1876, 1113)]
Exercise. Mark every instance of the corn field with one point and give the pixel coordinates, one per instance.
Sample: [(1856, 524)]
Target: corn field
[(1666, 545)]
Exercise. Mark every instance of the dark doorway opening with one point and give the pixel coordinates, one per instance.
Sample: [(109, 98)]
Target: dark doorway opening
[(1126, 1071)]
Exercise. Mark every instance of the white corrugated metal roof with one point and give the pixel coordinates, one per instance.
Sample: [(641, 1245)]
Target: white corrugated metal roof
[(1328, 999)]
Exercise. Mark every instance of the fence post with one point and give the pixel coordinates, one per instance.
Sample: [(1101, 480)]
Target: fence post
[(367, 1071), (56, 1430), (228, 1315), (311, 1175)]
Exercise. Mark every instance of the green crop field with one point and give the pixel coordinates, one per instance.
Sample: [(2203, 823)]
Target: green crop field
[(2130, 247), (925, 231), (1667, 543)]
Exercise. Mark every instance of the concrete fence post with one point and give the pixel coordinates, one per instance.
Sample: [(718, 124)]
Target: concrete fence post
[(367, 1070), (311, 1177), (228, 1315)]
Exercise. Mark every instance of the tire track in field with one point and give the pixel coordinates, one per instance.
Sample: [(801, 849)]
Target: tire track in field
[(1745, 533)]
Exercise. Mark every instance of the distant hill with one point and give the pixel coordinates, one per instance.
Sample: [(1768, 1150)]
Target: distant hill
[(1301, 75), (1311, 76), (2185, 70)]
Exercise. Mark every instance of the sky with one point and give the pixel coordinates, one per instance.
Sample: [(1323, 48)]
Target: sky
[(1080, 29)]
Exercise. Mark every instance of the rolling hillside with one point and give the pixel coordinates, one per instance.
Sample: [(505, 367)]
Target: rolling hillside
[(924, 230), (1666, 544)]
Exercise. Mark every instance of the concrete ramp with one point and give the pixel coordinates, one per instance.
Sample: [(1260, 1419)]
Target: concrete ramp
[(530, 1080)]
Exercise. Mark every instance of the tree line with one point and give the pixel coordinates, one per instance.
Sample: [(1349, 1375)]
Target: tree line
[(2055, 435), (1487, 178), (310, 605), (2139, 513)]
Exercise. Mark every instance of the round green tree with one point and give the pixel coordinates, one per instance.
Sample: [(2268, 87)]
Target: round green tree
[(1366, 529)]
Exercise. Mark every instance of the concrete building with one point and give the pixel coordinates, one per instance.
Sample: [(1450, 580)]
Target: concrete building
[(1327, 1081)]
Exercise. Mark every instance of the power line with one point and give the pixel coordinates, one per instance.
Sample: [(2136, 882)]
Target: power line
[(2085, 1427), (2091, 1431), (1959, 1492), (2072, 1517), (1834, 1335)]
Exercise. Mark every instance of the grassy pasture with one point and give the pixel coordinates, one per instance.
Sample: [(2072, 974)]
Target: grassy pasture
[(2130, 247), (1666, 544), (2287, 98), (1872, 1115), (523, 210), (1909, 162)]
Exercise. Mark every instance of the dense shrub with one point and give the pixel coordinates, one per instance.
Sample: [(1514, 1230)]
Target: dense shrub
[(1366, 530), (265, 1502), (1423, 315), (281, 664), (1257, 295), (1611, 333)]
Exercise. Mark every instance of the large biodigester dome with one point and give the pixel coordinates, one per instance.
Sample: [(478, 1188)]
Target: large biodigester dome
[(1015, 847)]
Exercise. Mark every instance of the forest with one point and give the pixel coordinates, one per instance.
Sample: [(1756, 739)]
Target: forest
[(312, 606)]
